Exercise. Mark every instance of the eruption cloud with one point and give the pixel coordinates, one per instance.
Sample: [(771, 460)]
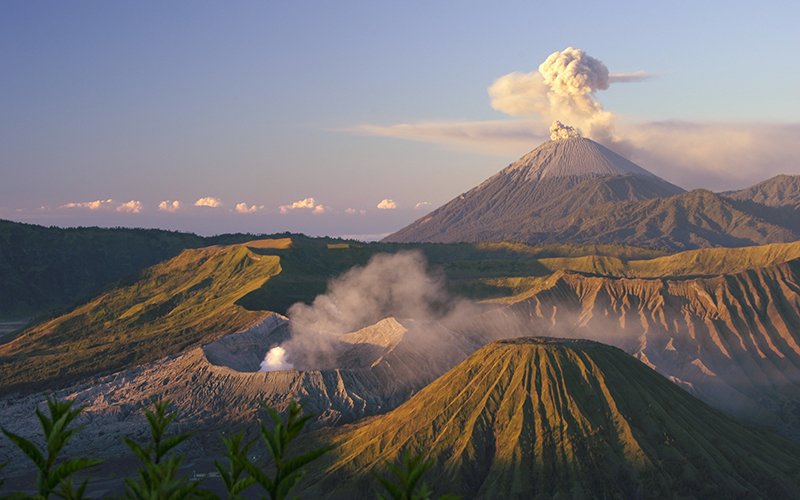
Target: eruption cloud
[(563, 88)]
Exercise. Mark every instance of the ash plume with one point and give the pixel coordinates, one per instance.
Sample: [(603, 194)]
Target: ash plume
[(563, 88)]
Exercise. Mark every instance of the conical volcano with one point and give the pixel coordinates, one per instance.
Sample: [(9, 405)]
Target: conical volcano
[(552, 418), (533, 195)]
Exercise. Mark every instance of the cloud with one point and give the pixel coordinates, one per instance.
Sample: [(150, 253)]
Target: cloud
[(91, 205), (208, 201), (306, 204), (130, 207), (387, 204), (715, 156), (422, 204), (632, 77), (169, 206), (491, 136), (242, 208), (563, 88)]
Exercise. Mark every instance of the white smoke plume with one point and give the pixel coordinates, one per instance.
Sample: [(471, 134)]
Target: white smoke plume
[(398, 285), (275, 360), (563, 88), (560, 131)]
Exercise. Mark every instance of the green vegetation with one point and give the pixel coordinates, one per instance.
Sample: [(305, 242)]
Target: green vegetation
[(405, 481), (54, 474), (44, 269), (159, 476), (288, 471)]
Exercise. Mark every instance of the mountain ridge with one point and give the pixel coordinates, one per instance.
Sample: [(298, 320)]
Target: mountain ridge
[(575, 190)]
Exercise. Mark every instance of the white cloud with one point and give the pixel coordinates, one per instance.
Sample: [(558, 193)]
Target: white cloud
[(242, 208), (563, 88), (387, 204), (350, 211), (208, 201), (715, 156), (422, 204), (91, 205), (169, 206), (130, 207), (630, 77), (306, 204), (489, 137)]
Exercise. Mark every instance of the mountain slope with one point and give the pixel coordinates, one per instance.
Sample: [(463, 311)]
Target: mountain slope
[(695, 219), (531, 194), (781, 190), (548, 418), (179, 303)]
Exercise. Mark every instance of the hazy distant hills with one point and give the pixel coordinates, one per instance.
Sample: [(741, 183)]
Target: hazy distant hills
[(546, 418), (575, 190)]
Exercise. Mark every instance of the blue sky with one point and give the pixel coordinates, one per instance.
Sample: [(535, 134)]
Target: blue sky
[(265, 102)]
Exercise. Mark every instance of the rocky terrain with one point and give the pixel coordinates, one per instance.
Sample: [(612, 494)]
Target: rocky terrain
[(552, 418)]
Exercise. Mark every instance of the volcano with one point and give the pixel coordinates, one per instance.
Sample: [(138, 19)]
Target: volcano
[(534, 194), (574, 190), (553, 418)]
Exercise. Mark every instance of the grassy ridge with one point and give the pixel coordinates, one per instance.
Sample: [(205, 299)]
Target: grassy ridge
[(187, 300)]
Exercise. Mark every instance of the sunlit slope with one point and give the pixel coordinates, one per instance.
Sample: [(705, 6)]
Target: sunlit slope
[(185, 301), (702, 262), (545, 418)]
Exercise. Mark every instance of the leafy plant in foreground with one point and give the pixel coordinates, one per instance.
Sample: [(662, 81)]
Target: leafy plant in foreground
[(158, 476), (288, 471), (54, 476), (235, 476), (407, 483)]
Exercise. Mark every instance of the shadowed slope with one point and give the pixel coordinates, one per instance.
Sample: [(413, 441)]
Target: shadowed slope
[(695, 219), (781, 190), (533, 417)]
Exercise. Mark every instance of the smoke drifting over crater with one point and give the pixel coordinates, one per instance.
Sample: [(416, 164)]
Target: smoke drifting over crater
[(397, 285)]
